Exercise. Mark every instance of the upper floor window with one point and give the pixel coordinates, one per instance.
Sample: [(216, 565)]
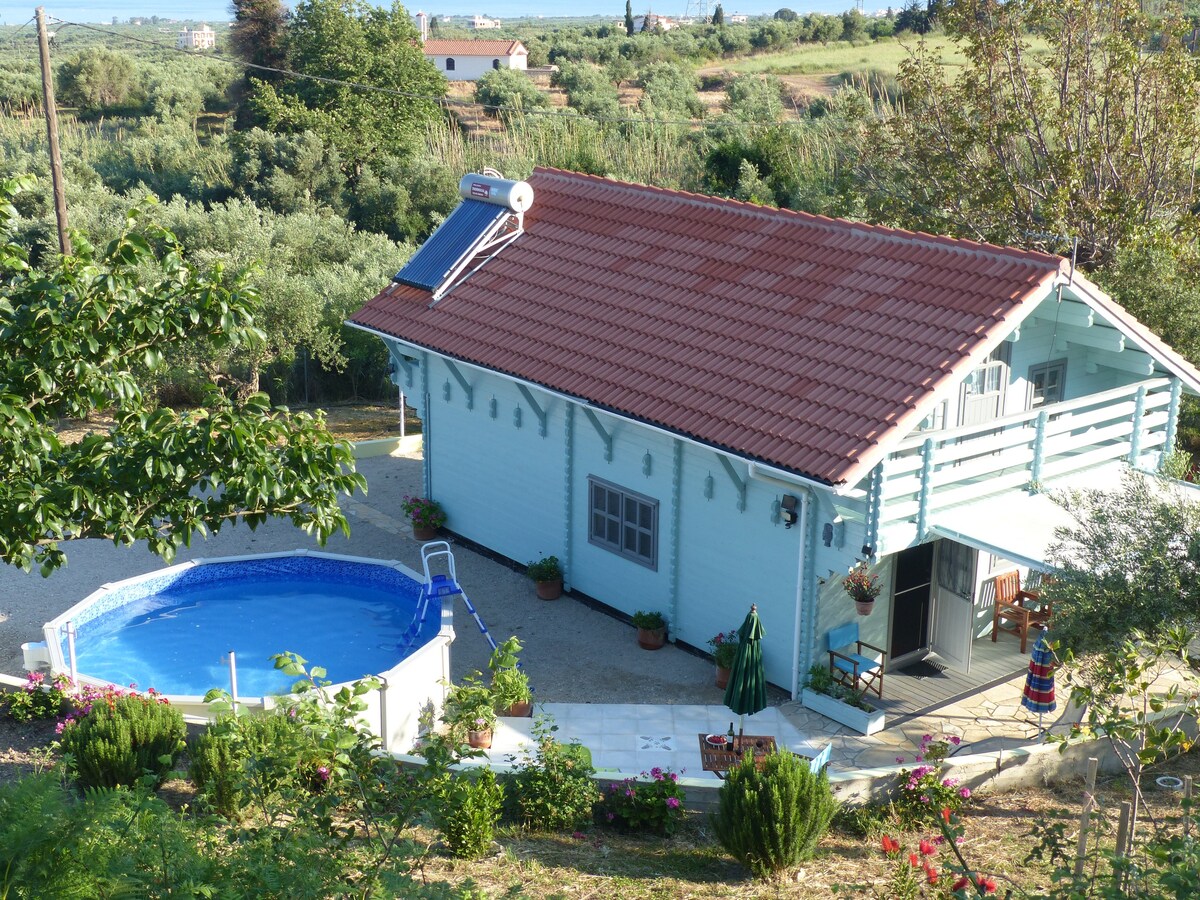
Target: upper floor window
[(1046, 383), (449, 63), (623, 521)]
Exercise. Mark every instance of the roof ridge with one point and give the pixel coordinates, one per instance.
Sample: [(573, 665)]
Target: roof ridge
[(828, 223)]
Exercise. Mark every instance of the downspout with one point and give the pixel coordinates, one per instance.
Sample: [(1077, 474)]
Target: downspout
[(426, 429), (805, 612)]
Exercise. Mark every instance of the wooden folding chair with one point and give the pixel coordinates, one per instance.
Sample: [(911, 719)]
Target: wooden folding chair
[(853, 669)]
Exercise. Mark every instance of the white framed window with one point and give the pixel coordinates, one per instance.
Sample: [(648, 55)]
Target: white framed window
[(623, 522)]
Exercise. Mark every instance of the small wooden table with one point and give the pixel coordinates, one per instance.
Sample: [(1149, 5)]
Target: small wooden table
[(721, 760)]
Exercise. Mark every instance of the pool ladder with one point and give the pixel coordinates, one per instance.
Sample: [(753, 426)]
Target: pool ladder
[(440, 586)]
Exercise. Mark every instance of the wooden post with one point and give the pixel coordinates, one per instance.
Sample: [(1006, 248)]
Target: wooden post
[(1123, 828), (1187, 806), (1088, 802), (56, 176)]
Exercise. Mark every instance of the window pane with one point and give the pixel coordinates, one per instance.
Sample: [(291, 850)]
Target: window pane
[(597, 497), (631, 510), (630, 539), (646, 519), (613, 533), (644, 547), (597, 525), (614, 503)]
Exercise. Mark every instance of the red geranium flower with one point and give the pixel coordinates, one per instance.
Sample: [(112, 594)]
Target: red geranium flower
[(890, 847)]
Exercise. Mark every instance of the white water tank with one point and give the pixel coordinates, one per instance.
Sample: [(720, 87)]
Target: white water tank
[(516, 195)]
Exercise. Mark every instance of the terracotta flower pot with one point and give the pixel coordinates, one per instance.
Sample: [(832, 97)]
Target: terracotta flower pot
[(424, 534), (521, 710), (864, 607), (480, 740), (723, 676), (549, 590), (652, 638)]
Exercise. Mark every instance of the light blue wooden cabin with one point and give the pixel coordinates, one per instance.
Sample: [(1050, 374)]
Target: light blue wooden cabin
[(1063, 389)]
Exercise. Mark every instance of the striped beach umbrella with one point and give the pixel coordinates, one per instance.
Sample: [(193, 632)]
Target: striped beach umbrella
[(746, 692), (1038, 696)]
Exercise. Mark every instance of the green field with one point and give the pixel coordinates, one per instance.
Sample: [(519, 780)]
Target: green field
[(839, 56)]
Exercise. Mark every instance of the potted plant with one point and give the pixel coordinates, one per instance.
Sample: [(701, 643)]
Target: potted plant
[(836, 701), (426, 516), (547, 577), (511, 694), (652, 629), (724, 649), (470, 711), (863, 588)]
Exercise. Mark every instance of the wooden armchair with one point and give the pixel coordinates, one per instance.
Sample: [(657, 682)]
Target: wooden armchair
[(1019, 610), (853, 669)]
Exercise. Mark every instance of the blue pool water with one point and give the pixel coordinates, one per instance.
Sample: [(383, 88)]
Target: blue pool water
[(175, 634)]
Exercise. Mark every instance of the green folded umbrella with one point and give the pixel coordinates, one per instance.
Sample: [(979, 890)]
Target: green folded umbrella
[(746, 692)]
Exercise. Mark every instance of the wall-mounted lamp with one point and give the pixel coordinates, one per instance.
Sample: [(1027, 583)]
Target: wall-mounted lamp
[(868, 551), (787, 510), (827, 534)]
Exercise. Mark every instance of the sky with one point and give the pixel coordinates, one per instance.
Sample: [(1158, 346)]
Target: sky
[(218, 10)]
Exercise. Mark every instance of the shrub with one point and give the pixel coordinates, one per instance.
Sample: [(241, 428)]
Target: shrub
[(922, 793), (119, 741), (468, 811), (770, 819), (553, 789), (39, 699), (653, 802), (246, 756)]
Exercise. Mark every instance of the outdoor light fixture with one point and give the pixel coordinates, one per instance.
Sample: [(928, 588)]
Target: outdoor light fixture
[(787, 510), (827, 534)]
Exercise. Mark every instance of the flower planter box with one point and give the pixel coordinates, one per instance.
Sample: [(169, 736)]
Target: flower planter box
[(850, 716)]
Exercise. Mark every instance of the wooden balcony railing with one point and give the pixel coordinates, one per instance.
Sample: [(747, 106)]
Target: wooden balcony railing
[(934, 470)]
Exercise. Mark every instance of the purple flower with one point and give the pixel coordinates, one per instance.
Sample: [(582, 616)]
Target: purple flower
[(949, 782), (673, 776), (323, 772), (610, 816), (628, 792), (900, 759), (964, 793), (656, 773), (955, 740), (924, 798), (672, 803), (578, 835)]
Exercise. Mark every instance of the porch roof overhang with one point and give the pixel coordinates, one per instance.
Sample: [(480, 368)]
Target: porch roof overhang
[(1019, 528)]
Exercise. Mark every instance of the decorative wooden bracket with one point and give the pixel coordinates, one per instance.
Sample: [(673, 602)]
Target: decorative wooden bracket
[(739, 483), (537, 410), (403, 362), (462, 383), (604, 435)]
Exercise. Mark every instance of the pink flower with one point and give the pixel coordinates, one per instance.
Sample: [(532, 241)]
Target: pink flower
[(964, 793), (578, 835), (323, 772), (955, 740), (610, 816), (900, 759), (672, 803)]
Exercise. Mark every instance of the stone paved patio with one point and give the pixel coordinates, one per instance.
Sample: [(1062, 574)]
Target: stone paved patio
[(575, 654)]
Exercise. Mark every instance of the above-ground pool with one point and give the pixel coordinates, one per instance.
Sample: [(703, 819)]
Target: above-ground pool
[(172, 630)]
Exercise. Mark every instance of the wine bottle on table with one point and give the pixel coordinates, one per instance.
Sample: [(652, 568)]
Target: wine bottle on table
[(729, 737)]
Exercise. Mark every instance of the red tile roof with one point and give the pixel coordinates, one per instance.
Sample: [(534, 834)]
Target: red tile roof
[(792, 339), (473, 48)]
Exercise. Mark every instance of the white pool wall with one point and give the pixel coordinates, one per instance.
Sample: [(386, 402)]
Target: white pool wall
[(416, 684)]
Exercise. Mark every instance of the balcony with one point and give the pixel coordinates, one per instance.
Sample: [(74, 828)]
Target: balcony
[(935, 470)]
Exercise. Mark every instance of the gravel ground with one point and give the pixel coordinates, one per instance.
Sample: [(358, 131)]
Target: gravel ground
[(573, 653)]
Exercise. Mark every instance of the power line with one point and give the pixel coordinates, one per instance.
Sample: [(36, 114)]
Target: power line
[(412, 95)]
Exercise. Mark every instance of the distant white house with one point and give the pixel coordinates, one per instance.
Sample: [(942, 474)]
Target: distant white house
[(660, 23), (738, 19), (479, 23), (202, 38), (470, 60)]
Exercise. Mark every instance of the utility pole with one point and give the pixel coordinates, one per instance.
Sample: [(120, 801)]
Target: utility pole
[(56, 176)]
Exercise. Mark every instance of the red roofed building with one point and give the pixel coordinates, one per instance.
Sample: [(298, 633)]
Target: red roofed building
[(467, 60), (698, 403)]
